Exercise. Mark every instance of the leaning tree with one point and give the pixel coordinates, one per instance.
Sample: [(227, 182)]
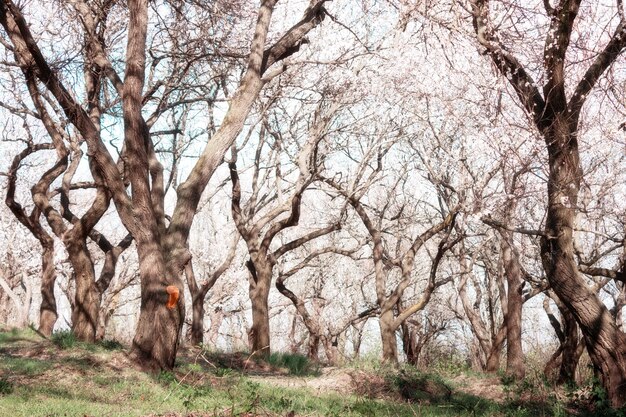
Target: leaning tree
[(554, 110)]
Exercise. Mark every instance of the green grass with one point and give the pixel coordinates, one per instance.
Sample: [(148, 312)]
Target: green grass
[(298, 365), (108, 344), (24, 366), (41, 379), (6, 386), (64, 339)]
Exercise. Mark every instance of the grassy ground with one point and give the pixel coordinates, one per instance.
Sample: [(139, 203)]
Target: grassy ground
[(61, 377)]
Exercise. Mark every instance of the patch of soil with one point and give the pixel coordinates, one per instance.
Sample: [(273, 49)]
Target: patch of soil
[(489, 388), (331, 380), (225, 414)]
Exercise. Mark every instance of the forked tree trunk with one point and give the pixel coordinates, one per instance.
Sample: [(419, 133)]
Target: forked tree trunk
[(48, 310)]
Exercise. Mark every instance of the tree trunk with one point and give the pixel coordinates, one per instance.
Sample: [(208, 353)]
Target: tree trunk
[(216, 322), (357, 339), (314, 347), (259, 333), (87, 298), (197, 320), (569, 358), (331, 348), (48, 310), (493, 359), (605, 343), (158, 328), (409, 344), (388, 336), (514, 354)]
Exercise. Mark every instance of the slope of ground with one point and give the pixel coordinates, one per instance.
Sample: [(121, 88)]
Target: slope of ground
[(40, 377)]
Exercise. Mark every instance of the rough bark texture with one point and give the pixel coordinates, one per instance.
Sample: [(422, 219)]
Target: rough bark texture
[(87, 298), (260, 280), (48, 310), (197, 320), (388, 336), (513, 319)]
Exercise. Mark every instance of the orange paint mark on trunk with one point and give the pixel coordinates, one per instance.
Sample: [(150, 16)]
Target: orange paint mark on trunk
[(173, 299)]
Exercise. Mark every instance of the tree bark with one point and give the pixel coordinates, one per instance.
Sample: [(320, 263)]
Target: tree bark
[(513, 319), (48, 310), (388, 336), (197, 320), (409, 344), (87, 298), (569, 347), (493, 359), (605, 343), (259, 334), (313, 352)]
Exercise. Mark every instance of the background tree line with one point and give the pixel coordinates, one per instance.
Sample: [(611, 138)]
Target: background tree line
[(319, 174)]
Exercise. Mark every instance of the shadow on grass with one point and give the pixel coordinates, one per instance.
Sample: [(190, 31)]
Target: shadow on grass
[(23, 366), (15, 336)]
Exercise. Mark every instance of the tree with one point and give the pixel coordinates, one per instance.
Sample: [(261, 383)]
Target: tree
[(16, 291), (200, 290), (310, 309), (390, 295), (570, 346), (48, 309), (555, 113), (162, 250), (259, 222)]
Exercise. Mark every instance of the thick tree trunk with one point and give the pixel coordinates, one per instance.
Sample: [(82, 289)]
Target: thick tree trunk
[(605, 343), (388, 336), (514, 354), (48, 310), (260, 330), (159, 325), (158, 328)]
